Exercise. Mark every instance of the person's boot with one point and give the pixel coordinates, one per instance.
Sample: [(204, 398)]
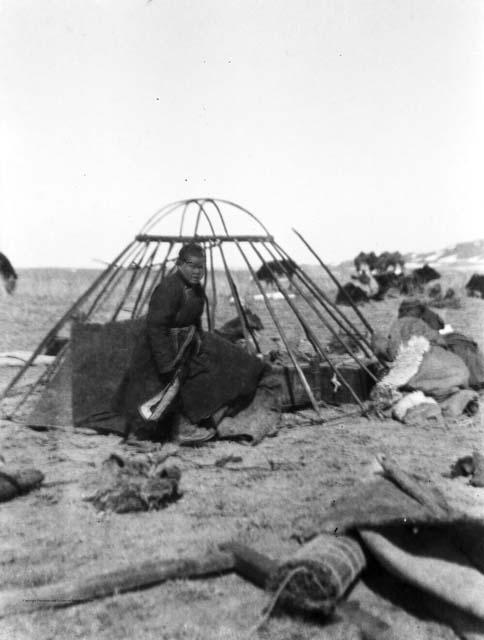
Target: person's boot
[(192, 435)]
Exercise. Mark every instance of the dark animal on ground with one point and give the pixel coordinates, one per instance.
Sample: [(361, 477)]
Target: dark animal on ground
[(475, 286), (7, 274), (232, 330), (411, 286), (425, 274), (356, 294), (273, 269), (415, 283)]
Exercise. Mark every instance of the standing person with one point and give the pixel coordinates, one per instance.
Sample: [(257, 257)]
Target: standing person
[(215, 375)]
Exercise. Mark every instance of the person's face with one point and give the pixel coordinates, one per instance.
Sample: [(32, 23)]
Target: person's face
[(193, 269)]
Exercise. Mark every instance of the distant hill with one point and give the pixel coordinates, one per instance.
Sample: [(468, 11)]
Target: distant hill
[(463, 256)]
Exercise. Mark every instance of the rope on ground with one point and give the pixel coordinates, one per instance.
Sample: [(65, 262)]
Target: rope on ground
[(269, 608)]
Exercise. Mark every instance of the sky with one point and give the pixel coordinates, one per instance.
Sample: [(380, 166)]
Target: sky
[(358, 122)]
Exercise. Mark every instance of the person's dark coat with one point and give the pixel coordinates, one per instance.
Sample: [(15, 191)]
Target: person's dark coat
[(217, 373)]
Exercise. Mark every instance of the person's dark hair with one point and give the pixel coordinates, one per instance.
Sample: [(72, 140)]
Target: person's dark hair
[(191, 249)]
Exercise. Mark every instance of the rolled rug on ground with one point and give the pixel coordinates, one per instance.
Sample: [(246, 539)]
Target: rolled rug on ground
[(317, 576)]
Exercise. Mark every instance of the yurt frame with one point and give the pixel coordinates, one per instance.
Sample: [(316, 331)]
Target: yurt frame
[(139, 259)]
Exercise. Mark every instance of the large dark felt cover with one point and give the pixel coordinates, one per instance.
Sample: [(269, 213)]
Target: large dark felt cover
[(100, 357)]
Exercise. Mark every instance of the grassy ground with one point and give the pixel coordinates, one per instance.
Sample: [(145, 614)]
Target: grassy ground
[(280, 486)]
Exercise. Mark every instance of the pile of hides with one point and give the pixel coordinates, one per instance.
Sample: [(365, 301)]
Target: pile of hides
[(143, 482), (431, 375), (260, 418), (406, 525), (17, 482)]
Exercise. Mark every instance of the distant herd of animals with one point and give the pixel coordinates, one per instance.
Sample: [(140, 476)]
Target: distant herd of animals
[(270, 271), (375, 277)]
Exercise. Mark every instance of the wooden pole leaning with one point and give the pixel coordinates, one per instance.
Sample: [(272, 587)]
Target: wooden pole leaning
[(157, 277), (333, 311), (337, 283), (246, 327), (137, 270), (114, 279), (149, 270)]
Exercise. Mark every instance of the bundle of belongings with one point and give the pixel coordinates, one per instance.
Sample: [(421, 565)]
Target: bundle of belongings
[(433, 373)]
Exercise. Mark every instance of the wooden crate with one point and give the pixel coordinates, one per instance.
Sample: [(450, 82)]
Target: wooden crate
[(320, 377)]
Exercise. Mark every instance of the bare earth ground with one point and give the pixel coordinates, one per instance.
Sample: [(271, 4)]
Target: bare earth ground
[(53, 534)]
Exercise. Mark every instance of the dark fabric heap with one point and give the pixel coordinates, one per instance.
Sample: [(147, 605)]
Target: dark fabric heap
[(259, 417), (220, 374)]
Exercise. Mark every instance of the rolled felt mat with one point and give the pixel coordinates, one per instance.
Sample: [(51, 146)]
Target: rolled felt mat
[(319, 573)]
